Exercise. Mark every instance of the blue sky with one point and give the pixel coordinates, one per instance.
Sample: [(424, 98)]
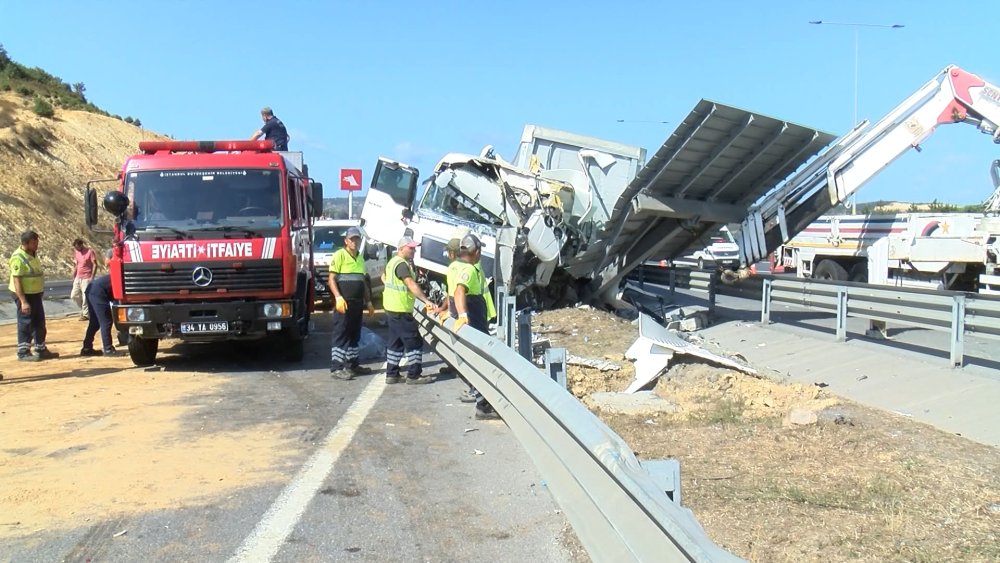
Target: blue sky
[(414, 80)]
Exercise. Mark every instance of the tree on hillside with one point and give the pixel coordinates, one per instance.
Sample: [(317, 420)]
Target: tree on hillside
[(4, 57), (136, 122), (79, 89), (938, 207)]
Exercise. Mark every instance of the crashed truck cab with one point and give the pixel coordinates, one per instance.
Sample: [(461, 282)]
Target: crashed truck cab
[(546, 207), (482, 195), (211, 243)]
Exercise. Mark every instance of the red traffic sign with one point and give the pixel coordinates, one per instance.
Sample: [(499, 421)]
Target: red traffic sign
[(350, 179)]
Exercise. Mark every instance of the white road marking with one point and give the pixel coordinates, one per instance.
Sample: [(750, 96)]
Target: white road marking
[(281, 518)]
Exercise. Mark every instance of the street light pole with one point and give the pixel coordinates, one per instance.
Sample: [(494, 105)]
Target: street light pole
[(857, 57)]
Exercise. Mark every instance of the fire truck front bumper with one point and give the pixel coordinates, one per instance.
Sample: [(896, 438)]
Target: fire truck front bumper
[(206, 322)]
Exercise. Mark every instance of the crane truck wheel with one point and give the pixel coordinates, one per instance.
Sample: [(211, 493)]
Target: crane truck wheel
[(830, 270), (859, 273), (142, 351)]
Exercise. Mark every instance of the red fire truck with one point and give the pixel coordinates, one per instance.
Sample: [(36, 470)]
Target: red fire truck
[(212, 241)]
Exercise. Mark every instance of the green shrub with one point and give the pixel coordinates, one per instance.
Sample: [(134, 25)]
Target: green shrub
[(43, 108)]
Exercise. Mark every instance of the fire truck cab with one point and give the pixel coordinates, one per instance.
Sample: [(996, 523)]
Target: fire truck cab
[(211, 243)]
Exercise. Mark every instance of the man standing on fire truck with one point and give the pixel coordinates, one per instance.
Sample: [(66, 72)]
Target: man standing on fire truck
[(351, 292)]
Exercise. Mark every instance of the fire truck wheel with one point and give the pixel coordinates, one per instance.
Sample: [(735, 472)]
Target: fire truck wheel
[(830, 270), (143, 350), (859, 273)]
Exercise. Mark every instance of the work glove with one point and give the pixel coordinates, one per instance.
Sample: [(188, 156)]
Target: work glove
[(443, 315), (461, 321), (371, 309), (341, 305)]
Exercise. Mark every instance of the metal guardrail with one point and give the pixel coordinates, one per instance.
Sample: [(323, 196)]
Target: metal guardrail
[(615, 506), (958, 314)]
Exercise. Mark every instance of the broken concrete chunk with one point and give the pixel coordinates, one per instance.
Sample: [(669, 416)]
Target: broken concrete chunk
[(641, 403), (801, 417), (597, 363)]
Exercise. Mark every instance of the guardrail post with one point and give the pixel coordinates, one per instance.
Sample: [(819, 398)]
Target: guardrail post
[(524, 334), (642, 276), (666, 473), (673, 282), (713, 278), (765, 302), (958, 331), (555, 365), (841, 314)]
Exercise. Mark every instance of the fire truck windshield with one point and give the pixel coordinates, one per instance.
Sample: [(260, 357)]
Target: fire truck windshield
[(194, 199)]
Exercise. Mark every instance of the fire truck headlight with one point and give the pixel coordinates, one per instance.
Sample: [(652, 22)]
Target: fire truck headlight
[(277, 310), (135, 315)]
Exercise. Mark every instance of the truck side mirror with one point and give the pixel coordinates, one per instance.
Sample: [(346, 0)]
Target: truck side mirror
[(371, 251), (90, 207), (317, 199)]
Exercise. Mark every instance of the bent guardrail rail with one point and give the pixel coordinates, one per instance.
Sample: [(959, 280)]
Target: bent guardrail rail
[(614, 505)]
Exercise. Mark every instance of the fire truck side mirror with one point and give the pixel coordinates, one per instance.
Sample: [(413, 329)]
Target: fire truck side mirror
[(317, 199), (90, 207), (115, 203)]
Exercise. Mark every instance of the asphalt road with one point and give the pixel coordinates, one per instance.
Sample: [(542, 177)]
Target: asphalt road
[(58, 289), (418, 480)]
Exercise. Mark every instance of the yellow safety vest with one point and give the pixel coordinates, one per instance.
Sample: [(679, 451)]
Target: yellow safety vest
[(396, 297), (463, 273), (29, 269), (491, 308), (343, 263)]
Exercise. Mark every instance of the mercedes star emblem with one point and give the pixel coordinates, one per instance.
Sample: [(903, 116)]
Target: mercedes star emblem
[(201, 276)]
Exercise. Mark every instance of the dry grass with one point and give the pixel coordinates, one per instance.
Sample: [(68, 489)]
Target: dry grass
[(861, 485)]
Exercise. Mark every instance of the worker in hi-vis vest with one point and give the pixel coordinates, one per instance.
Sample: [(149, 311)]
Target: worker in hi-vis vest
[(349, 285), (400, 293)]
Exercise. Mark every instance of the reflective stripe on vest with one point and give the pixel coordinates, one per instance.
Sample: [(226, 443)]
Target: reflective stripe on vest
[(396, 297), (34, 280)]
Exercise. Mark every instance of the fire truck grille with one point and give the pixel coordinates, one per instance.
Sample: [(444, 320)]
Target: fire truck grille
[(203, 278)]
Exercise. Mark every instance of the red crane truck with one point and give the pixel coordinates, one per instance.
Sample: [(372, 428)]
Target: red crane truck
[(212, 242)]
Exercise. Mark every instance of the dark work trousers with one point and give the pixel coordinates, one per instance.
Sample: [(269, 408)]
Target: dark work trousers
[(404, 341), (475, 307), (30, 327), (346, 335), (99, 313)]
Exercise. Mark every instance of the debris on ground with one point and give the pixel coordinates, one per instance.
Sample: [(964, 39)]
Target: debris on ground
[(841, 482), (596, 363)]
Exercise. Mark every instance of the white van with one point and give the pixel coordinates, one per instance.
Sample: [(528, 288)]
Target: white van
[(721, 252)]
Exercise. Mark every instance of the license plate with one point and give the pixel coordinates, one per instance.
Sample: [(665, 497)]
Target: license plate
[(188, 328)]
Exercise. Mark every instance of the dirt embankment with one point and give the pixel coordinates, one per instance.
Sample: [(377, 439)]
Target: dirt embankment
[(45, 164), (857, 484)]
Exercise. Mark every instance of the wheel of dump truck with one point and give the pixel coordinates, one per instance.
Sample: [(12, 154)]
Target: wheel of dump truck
[(830, 270), (859, 273), (143, 350)]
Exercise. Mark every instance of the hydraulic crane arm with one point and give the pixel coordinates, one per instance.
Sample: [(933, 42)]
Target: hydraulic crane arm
[(953, 96)]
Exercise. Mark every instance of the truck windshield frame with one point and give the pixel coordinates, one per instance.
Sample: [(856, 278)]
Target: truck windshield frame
[(193, 199), (449, 200)]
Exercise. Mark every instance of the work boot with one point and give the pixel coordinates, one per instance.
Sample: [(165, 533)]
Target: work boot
[(27, 358), (113, 353), (46, 354), (392, 379), (467, 396), (360, 370), (484, 414), (420, 380), (341, 374), (89, 352)]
